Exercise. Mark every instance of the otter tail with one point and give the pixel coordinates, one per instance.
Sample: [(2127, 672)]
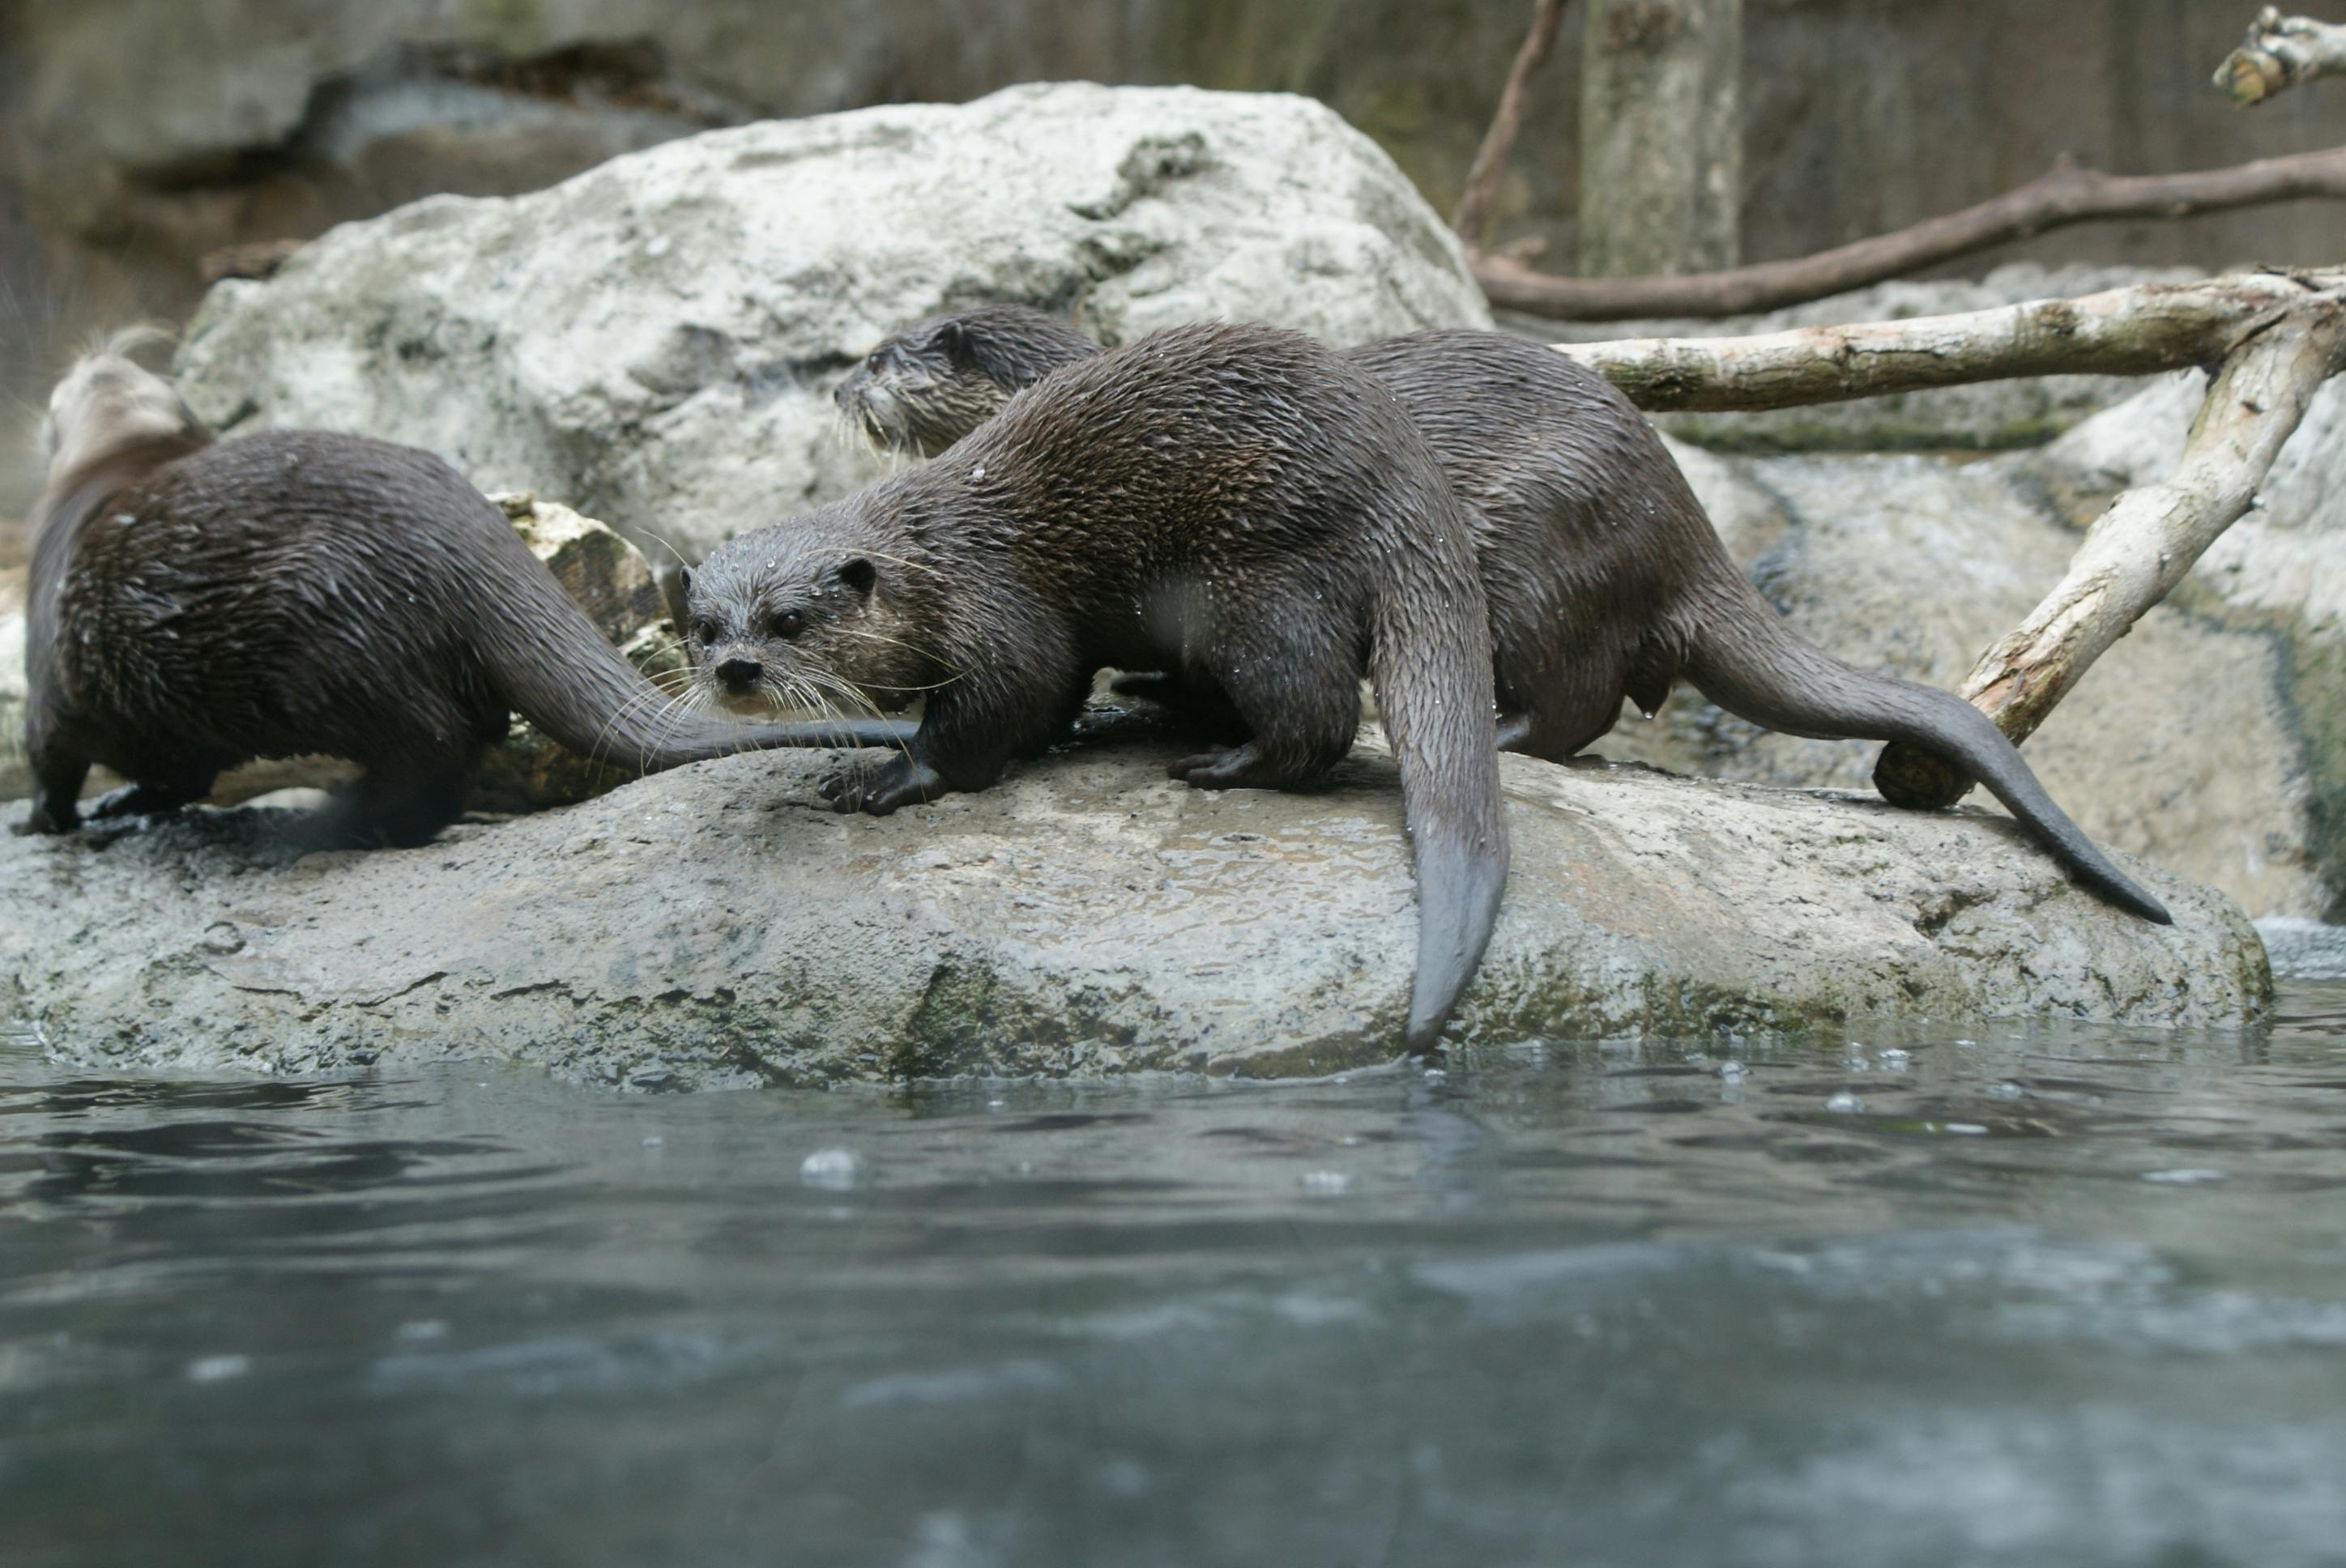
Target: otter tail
[(1430, 653), (554, 668), (1752, 664)]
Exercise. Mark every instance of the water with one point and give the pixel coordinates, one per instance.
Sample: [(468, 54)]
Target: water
[(2045, 1296)]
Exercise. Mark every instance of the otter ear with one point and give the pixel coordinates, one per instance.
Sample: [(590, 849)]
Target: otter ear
[(857, 574), (953, 338), (676, 589)]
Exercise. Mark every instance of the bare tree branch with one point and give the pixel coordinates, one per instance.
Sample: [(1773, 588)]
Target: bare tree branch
[(2272, 337), (2280, 52), (2141, 547), (2137, 330), (1473, 214), (2068, 194)]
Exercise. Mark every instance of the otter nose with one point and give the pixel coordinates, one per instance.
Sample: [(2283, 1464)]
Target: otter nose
[(740, 675)]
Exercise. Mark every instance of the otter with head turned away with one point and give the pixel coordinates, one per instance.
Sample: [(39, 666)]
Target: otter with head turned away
[(1603, 576), (195, 604)]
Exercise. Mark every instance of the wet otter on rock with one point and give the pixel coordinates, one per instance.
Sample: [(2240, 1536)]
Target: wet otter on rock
[(1603, 576), (195, 604), (1232, 503)]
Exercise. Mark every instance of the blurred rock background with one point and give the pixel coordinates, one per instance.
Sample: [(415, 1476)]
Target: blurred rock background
[(140, 138)]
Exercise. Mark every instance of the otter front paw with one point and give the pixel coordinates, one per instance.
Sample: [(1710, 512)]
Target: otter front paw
[(899, 782)]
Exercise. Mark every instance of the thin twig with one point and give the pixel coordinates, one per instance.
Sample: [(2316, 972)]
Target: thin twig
[(1473, 214), (2068, 194)]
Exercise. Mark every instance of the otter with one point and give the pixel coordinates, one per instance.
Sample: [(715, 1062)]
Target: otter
[(1603, 574), (1233, 502), (194, 604)]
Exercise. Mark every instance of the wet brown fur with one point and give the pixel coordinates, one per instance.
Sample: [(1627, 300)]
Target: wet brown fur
[(194, 605), (1231, 503), (1603, 577)]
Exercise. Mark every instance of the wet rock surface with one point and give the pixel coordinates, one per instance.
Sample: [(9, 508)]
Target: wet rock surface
[(720, 926), (657, 339)]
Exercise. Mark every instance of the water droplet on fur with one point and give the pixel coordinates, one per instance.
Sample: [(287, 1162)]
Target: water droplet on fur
[(1844, 1102)]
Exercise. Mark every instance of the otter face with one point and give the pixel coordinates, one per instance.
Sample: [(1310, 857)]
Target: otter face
[(920, 391), (103, 404), (776, 622)]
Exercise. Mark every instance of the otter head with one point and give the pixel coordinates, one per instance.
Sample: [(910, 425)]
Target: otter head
[(932, 382), (799, 618), (105, 405), (920, 391)]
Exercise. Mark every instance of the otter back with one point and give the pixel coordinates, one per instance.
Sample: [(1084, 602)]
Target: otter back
[(1603, 577)]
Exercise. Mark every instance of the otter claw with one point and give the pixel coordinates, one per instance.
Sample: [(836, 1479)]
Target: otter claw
[(1230, 768), (896, 782)]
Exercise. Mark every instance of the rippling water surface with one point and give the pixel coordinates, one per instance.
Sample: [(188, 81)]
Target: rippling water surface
[(2046, 1295)]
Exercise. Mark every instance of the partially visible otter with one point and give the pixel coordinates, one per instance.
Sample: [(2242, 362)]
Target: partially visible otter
[(1232, 503), (930, 384), (1603, 575), (193, 604)]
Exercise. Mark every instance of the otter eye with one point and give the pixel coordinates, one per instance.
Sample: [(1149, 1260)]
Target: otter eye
[(789, 624), (705, 629), (876, 359)]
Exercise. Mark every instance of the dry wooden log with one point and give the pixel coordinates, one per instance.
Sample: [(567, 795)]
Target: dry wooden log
[(2138, 331), (2272, 337), (1473, 215), (2140, 549), (2068, 194), (2280, 52)]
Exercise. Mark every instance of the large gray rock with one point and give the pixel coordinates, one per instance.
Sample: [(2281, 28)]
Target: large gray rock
[(720, 925), (657, 339)]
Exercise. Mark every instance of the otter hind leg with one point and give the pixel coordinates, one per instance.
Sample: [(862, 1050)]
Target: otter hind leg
[(394, 806), (1301, 707), (1562, 728)]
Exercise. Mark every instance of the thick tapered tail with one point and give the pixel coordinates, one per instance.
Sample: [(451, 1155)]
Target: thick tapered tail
[(1432, 669), (556, 670), (1751, 663)]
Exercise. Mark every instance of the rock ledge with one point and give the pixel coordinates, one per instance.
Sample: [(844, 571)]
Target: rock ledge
[(720, 926)]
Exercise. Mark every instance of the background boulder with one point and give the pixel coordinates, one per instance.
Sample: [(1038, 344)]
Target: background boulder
[(657, 339)]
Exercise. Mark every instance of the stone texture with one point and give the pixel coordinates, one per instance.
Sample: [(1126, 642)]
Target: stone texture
[(718, 924), (15, 779), (658, 339)]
